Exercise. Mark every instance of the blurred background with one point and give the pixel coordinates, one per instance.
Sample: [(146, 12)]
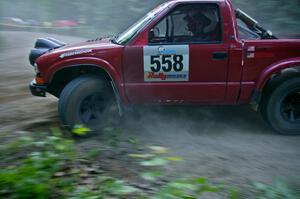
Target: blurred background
[(231, 145), (95, 18)]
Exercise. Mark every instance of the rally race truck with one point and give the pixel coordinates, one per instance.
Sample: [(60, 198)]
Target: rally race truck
[(183, 52)]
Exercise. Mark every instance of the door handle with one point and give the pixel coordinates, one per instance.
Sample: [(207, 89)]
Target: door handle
[(220, 55)]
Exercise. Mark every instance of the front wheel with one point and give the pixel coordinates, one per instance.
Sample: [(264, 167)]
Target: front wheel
[(87, 101), (281, 108)]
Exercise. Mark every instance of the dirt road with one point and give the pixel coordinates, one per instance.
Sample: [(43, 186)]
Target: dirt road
[(231, 144)]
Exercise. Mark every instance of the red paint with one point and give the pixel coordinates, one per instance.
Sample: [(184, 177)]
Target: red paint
[(228, 81), (275, 68)]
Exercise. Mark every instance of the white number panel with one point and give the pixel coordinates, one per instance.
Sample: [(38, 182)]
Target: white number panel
[(166, 63)]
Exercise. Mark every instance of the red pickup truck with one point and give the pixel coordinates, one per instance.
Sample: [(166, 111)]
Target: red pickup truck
[(182, 52)]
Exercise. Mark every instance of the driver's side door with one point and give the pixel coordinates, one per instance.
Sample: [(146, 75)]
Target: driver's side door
[(175, 66)]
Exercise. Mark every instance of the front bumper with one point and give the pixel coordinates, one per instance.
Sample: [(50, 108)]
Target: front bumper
[(37, 90)]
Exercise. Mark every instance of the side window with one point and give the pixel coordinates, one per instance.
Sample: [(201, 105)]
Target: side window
[(187, 24)]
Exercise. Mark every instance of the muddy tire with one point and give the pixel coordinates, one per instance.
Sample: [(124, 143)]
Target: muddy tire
[(281, 107), (87, 101)]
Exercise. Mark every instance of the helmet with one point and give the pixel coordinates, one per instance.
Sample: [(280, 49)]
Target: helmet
[(196, 22)]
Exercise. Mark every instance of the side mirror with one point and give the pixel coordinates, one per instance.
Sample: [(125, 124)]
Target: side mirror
[(269, 35), (270, 32), (151, 35)]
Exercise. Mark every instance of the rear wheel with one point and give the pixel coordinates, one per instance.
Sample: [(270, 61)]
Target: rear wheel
[(281, 107), (86, 100)]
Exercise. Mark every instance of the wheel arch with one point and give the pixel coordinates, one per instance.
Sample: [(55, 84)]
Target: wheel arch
[(274, 75), (61, 77)]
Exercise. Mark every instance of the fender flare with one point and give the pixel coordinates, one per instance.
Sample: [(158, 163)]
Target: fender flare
[(115, 76), (267, 73), (275, 69)]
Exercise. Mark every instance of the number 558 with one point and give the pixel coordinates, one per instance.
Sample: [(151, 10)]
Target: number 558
[(166, 63)]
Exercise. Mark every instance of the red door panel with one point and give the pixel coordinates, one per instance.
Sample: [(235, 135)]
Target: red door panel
[(206, 84), (205, 67)]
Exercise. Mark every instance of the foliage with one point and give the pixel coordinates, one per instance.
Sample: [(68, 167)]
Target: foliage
[(106, 186), (114, 136), (186, 188), (151, 176), (81, 130), (278, 190), (33, 176), (50, 167)]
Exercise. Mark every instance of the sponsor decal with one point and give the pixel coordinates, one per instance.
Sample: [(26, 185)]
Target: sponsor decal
[(152, 75), (164, 51), (169, 63), (76, 52), (163, 76)]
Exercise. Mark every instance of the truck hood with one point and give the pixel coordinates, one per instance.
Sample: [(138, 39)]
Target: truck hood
[(96, 43), (86, 47), (91, 48)]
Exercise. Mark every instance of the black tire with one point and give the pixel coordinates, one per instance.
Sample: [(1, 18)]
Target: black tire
[(280, 107), (88, 101)]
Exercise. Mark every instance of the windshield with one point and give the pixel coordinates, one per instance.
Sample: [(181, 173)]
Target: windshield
[(139, 25)]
